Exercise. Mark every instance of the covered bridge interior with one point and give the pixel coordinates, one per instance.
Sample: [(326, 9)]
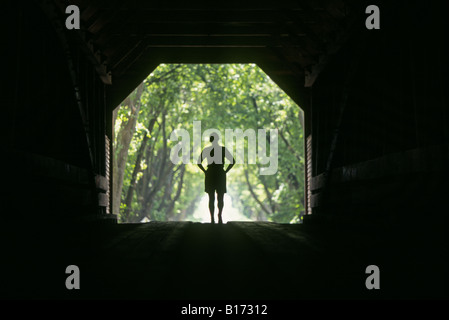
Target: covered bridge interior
[(377, 144)]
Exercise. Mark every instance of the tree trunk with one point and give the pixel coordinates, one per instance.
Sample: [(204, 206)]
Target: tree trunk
[(124, 138), (171, 206), (289, 147), (261, 204), (161, 173), (137, 169), (168, 188), (263, 180), (301, 119)]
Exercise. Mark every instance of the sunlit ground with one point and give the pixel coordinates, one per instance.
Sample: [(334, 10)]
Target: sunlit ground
[(230, 213)]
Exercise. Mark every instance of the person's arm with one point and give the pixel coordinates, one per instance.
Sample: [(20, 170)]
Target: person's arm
[(200, 160), (230, 158)]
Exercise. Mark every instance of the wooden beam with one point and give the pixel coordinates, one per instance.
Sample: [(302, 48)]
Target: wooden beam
[(89, 13), (137, 45), (132, 27), (105, 16), (123, 65), (196, 17), (98, 59), (223, 41), (210, 40), (246, 5), (124, 85), (208, 55), (118, 52)]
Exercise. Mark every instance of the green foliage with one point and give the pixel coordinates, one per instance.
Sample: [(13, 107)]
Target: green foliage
[(220, 96)]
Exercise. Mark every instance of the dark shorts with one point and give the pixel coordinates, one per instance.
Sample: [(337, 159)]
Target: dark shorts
[(215, 180)]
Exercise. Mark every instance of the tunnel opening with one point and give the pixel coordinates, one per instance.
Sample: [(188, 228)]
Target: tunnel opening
[(246, 108)]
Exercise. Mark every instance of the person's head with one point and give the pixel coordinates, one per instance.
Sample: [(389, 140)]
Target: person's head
[(213, 137)]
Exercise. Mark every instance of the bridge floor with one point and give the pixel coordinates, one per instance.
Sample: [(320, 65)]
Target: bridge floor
[(237, 260)]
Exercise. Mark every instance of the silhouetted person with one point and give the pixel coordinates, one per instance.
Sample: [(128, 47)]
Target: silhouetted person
[(215, 180)]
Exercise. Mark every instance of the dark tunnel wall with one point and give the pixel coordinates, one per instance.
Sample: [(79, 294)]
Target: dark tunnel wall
[(391, 152), (49, 170), (37, 69)]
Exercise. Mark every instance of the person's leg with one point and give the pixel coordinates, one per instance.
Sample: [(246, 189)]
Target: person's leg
[(212, 206), (220, 197)]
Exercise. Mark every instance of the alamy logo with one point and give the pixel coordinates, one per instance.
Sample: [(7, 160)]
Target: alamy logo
[(373, 280), (73, 280), (373, 20), (257, 147), (73, 20)]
